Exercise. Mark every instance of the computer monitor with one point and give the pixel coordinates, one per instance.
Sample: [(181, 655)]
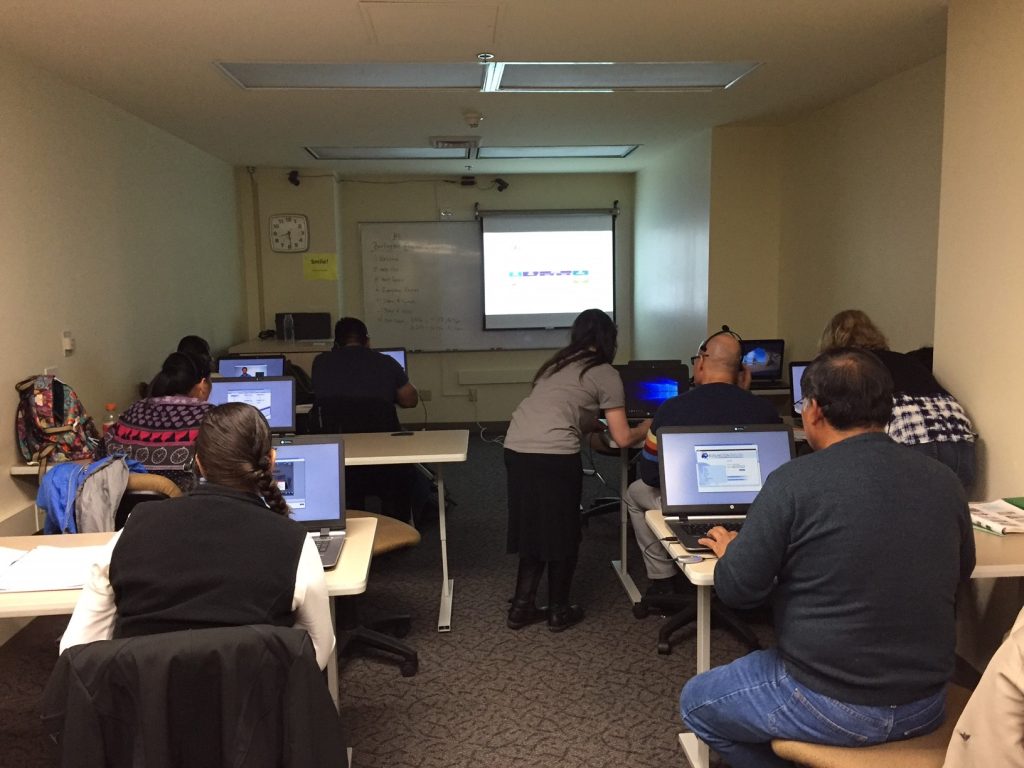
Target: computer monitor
[(763, 358), (796, 371), (647, 387), (397, 354), (310, 471), (274, 396), (718, 470), (255, 366)]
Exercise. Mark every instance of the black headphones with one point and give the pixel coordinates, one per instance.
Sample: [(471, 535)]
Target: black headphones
[(703, 348)]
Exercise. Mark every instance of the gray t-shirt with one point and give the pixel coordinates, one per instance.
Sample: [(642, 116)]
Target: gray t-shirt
[(562, 407)]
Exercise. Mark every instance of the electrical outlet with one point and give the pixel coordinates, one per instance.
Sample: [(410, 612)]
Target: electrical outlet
[(425, 395), (472, 394)]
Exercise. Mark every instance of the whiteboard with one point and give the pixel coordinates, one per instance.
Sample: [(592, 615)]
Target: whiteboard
[(423, 290)]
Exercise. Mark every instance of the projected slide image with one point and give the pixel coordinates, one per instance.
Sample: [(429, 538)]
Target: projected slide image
[(258, 398), (248, 371), (727, 468), (290, 476)]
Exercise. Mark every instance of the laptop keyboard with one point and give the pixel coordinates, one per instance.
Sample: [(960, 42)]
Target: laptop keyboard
[(322, 543), (699, 529)]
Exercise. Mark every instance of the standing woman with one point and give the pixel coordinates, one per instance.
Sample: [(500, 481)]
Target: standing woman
[(545, 472), (224, 555), (924, 415)]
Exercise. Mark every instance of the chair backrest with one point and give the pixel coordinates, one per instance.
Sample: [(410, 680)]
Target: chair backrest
[(250, 695), (340, 415), (143, 487)]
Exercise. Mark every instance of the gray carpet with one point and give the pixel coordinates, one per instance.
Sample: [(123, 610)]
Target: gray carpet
[(595, 695)]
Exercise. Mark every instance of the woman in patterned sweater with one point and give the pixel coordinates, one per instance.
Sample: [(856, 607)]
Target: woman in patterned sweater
[(924, 416), (160, 430)]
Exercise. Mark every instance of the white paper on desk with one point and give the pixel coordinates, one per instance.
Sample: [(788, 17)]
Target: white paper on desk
[(8, 555), (45, 568)]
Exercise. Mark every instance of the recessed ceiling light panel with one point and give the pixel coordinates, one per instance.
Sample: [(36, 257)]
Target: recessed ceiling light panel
[(389, 153), (366, 75), (610, 76), (512, 153)]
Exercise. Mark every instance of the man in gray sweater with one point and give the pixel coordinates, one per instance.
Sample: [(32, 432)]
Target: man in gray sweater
[(859, 547)]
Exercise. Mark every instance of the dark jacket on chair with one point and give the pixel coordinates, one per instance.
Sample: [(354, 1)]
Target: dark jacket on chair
[(238, 697)]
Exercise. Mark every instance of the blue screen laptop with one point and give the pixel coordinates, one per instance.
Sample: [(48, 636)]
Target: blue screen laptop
[(711, 475), (395, 353), (274, 396), (763, 358), (253, 366), (310, 471), (648, 386)]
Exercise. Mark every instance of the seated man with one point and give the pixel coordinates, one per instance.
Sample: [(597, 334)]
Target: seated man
[(356, 390), (859, 547), (719, 399)]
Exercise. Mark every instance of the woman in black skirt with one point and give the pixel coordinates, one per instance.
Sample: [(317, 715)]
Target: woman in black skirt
[(545, 473)]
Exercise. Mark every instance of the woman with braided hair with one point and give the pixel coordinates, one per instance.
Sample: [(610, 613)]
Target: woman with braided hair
[(225, 554)]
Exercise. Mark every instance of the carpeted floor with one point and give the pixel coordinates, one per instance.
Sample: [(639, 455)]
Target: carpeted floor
[(595, 695)]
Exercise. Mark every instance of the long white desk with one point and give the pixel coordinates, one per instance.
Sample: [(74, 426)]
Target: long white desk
[(349, 577), (996, 557), (423, 447)]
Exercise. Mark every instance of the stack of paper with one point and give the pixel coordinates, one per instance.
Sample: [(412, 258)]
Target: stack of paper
[(999, 516), (45, 568)]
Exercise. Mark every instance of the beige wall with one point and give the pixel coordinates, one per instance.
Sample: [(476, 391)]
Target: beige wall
[(671, 270), (335, 211), (114, 230), (743, 279), (860, 191)]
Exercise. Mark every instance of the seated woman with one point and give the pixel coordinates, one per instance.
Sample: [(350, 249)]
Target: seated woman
[(225, 554), (924, 416), (160, 430)]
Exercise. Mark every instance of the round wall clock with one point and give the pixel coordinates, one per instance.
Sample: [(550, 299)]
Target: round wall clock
[(289, 233)]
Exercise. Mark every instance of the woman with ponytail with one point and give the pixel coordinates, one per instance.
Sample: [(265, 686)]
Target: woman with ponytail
[(160, 430), (225, 554)]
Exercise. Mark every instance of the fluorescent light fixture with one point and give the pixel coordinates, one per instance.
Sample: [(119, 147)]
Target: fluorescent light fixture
[(494, 77), (389, 153), (365, 75), (510, 153)]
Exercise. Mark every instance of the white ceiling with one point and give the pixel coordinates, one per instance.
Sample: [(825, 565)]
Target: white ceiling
[(156, 59)]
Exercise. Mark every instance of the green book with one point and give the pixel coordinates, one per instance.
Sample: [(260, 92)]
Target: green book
[(1017, 501)]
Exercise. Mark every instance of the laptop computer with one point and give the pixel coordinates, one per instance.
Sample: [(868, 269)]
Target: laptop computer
[(648, 386), (254, 366), (395, 353), (273, 395), (310, 471), (710, 475), (763, 358), (796, 371)]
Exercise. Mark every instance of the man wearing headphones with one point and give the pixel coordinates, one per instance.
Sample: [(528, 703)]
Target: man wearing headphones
[(719, 398)]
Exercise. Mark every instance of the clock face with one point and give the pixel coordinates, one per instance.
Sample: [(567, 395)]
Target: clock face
[(289, 232)]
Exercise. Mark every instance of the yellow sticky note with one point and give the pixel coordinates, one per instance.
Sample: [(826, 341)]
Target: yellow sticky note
[(320, 266)]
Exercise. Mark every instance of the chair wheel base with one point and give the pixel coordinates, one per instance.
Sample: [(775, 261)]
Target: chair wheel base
[(664, 648), (409, 668), (641, 611)]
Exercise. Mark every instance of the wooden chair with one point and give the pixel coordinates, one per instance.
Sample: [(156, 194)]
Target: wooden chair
[(927, 751), (391, 535)]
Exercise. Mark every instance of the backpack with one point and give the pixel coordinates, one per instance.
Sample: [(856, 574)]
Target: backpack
[(51, 423)]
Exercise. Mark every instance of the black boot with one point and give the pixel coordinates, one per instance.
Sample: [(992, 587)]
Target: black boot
[(562, 614), (524, 611)]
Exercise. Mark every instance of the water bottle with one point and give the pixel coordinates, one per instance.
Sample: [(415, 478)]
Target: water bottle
[(111, 418), (288, 324)]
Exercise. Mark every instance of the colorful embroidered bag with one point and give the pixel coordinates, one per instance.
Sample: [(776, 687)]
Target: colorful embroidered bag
[(51, 423)]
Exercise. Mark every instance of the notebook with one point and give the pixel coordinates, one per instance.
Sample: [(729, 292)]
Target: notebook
[(395, 353), (648, 386), (763, 358), (710, 475), (254, 366), (796, 371), (310, 471), (273, 395)]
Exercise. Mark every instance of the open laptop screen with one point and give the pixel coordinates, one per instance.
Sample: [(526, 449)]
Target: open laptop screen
[(718, 470), (274, 396), (310, 472), (763, 357), (796, 372), (647, 387), (253, 366), (396, 353)]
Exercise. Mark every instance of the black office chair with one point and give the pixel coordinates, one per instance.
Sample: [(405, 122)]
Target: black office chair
[(391, 484), (684, 611), (143, 487)]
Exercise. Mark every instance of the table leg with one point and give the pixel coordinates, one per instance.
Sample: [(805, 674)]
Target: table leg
[(620, 565), (696, 751), (332, 664), (444, 615)]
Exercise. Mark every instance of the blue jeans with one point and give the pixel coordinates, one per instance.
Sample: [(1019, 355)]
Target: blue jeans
[(737, 709), (958, 456)]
